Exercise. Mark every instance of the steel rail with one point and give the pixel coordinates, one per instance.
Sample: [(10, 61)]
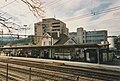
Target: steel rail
[(87, 72)]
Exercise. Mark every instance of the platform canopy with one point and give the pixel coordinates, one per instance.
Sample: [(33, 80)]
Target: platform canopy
[(57, 46)]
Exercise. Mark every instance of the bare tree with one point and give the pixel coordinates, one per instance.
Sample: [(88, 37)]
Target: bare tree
[(6, 23), (36, 7)]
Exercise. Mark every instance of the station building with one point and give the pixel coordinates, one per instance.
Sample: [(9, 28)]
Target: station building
[(92, 53)]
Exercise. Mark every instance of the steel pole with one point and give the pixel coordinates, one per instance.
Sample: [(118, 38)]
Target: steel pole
[(7, 73), (30, 74)]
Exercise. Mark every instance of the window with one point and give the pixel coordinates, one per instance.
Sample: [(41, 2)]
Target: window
[(49, 42), (56, 23), (56, 26), (44, 43)]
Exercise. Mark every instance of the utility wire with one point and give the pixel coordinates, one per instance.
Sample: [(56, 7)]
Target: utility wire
[(95, 13), (52, 3), (63, 3), (7, 4)]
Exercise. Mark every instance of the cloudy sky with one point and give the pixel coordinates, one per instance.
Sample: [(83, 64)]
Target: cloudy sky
[(75, 13)]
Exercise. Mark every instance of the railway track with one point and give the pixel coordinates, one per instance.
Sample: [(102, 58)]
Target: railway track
[(50, 75), (88, 73), (12, 77)]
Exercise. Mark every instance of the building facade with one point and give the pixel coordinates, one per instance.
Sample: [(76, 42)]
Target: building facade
[(91, 37), (114, 46), (96, 36), (118, 46), (50, 25)]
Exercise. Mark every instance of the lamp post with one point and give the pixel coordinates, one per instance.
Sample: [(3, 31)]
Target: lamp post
[(25, 28)]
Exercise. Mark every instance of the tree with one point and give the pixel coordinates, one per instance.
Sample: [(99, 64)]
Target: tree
[(35, 6)]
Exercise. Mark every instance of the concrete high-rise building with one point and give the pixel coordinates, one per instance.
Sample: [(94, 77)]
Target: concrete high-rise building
[(90, 37), (49, 25), (96, 36), (81, 35)]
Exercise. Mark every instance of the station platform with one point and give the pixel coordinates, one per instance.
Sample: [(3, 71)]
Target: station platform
[(81, 64)]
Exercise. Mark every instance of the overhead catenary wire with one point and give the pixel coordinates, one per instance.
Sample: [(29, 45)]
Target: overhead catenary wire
[(66, 2), (53, 3), (107, 26), (6, 12), (3, 20), (7, 4), (95, 13), (21, 8), (93, 4)]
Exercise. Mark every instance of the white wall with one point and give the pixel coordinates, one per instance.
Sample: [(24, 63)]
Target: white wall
[(111, 41)]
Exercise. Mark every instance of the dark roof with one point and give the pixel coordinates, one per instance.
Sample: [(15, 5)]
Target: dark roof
[(54, 35), (62, 39), (56, 46)]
